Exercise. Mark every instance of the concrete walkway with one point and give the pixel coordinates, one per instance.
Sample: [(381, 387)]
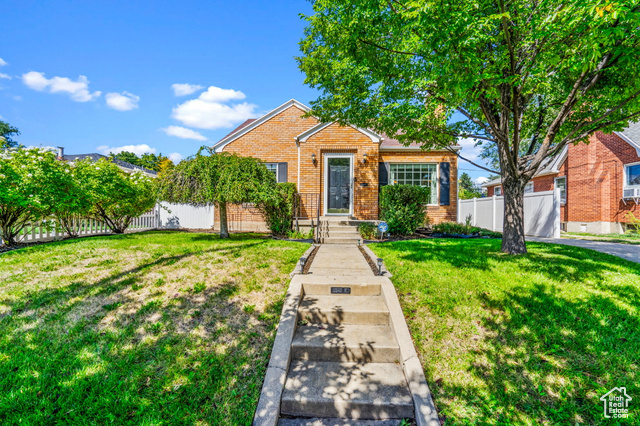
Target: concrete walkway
[(343, 354), (340, 260), (626, 251)]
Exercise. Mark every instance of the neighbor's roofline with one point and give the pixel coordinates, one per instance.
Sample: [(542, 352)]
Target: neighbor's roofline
[(552, 169), (230, 138), (630, 141), (304, 136), (418, 149)]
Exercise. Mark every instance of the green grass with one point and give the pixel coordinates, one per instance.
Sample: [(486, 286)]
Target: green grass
[(156, 328), (529, 340), (626, 238)]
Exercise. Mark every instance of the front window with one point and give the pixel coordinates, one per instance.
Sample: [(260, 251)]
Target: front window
[(561, 184), (420, 174), (632, 173), (498, 191), (528, 188), (273, 167)]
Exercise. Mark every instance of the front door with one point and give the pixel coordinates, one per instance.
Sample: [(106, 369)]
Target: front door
[(338, 188)]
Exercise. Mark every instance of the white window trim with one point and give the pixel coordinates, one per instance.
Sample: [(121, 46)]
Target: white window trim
[(496, 189), (533, 188), (326, 183), (437, 203), (555, 186), (277, 170), (624, 177)]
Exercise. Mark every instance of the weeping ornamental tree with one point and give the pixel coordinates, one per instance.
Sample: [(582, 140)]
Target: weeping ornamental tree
[(220, 179), (522, 77)]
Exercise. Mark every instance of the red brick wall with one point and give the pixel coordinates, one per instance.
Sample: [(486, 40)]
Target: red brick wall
[(595, 173)]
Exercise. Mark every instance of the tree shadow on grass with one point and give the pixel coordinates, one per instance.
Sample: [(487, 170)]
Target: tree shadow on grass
[(548, 360), (558, 262), (196, 356)]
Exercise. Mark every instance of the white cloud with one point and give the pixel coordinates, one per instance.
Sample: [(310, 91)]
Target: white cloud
[(175, 157), (78, 90), (469, 150), (480, 180), (183, 133), (184, 89), (3, 62), (136, 149), (124, 101), (216, 94), (5, 76)]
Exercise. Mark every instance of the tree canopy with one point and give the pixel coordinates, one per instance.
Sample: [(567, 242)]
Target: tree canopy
[(147, 160), (527, 76), (7, 132), (467, 189), (219, 178)]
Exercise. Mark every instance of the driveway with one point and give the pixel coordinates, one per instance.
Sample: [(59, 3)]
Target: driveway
[(626, 251)]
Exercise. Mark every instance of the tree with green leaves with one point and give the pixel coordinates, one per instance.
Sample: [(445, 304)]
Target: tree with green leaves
[(116, 197), (32, 183), (147, 160), (7, 132), (467, 189), (529, 77), (217, 178)]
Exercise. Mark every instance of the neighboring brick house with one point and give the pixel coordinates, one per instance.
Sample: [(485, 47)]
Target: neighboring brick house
[(599, 182), (339, 167)]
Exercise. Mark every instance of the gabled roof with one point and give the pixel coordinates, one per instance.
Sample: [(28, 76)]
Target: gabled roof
[(550, 167), (631, 135), (245, 127), (376, 138)]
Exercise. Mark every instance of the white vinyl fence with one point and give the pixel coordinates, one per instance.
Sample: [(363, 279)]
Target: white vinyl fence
[(185, 216), (541, 213), (47, 229)]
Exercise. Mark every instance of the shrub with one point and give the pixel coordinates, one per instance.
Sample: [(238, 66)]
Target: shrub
[(368, 230), (298, 235), (402, 207), (454, 228), (277, 208), (634, 222)]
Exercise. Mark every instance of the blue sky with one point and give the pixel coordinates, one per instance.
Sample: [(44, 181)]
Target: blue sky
[(159, 76)]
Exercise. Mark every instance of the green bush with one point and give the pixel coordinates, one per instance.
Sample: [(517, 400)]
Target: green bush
[(454, 228), (368, 230), (402, 207), (277, 208), (298, 235)]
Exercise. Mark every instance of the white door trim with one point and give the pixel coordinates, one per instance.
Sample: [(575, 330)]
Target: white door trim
[(326, 181)]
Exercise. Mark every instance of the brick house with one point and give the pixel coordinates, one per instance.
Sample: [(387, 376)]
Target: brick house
[(337, 169), (599, 182)]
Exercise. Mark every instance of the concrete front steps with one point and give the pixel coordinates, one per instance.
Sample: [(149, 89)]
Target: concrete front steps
[(338, 230), (345, 361)]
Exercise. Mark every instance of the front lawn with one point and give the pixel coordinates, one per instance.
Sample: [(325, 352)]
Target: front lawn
[(155, 328), (529, 340)]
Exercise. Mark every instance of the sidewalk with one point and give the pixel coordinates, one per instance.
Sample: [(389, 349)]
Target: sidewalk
[(626, 251)]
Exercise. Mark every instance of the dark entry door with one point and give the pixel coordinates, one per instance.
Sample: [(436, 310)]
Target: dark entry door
[(339, 185)]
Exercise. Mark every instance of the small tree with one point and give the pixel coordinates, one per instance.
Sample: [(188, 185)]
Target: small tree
[(467, 189), (217, 178), (32, 185), (7, 131), (116, 197), (75, 201)]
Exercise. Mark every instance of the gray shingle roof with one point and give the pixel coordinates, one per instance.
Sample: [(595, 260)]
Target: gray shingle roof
[(96, 157)]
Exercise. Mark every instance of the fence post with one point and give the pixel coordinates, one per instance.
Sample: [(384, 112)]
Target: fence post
[(475, 212), (556, 213), (493, 213)]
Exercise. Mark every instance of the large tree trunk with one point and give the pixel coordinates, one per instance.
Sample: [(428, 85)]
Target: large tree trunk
[(513, 227), (224, 227)]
